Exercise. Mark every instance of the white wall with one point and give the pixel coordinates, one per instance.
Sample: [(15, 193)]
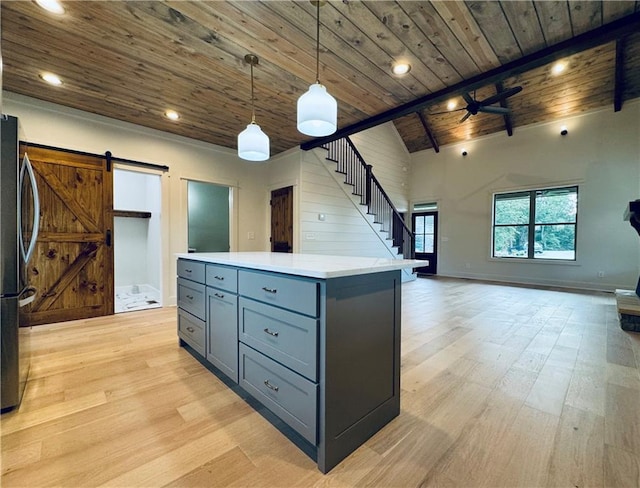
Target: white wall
[(382, 148), (54, 125), (601, 154)]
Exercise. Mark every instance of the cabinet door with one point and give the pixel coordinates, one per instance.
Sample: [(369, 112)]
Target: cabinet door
[(222, 331)]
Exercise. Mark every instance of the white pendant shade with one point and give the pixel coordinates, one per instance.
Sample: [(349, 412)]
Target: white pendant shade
[(317, 112), (253, 144)]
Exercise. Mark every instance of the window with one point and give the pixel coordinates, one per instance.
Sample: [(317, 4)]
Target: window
[(424, 229), (536, 224)]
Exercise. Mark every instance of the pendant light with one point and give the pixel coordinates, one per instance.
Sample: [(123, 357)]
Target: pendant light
[(317, 110), (253, 144)]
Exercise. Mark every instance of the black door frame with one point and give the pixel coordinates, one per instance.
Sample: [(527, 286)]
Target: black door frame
[(432, 268)]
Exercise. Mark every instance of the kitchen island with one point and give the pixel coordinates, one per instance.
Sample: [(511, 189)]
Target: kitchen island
[(315, 339)]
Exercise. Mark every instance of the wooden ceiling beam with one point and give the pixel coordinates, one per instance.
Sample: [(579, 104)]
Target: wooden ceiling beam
[(619, 75), (508, 123), (428, 131), (607, 33)]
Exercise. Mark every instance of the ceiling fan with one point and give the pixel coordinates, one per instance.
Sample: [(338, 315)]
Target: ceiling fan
[(474, 106)]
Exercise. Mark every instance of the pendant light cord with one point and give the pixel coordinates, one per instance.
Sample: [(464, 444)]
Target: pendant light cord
[(253, 110), (318, 42)]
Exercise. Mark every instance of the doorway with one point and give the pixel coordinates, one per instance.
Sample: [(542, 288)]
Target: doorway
[(137, 240), (282, 220), (425, 228), (208, 217)]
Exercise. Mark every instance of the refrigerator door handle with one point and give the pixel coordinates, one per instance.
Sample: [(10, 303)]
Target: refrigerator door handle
[(31, 293), (27, 168)]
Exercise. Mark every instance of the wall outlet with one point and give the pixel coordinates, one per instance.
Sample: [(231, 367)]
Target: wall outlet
[(600, 274), (310, 236), (251, 235)]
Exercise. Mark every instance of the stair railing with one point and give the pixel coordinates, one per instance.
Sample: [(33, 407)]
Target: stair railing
[(359, 175)]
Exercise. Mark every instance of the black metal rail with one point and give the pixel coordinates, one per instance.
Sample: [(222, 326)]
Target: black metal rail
[(359, 175)]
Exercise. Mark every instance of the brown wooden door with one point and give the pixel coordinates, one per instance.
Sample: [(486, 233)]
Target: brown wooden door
[(72, 266), (282, 220)]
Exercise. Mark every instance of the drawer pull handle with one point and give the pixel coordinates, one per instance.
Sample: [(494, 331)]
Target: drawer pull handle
[(190, 297), (188, 271), (191, 329), (218, 295), (270, 386), (269, 290), (274, 334), (221, 278)]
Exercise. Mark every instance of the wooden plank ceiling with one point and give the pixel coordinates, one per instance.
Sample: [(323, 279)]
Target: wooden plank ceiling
[(134, 60)]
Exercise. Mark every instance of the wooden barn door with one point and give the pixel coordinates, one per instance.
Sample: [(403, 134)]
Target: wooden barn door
[(72, 266), (282, 220)]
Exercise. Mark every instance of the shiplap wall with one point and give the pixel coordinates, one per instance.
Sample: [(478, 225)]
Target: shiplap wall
[(344, 231), (382, 148), (318, 190)]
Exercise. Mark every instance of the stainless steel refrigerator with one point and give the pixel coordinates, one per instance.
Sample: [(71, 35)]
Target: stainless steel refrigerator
[(19, 218)]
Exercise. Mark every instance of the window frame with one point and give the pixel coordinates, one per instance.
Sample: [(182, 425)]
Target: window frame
[(532, 224)]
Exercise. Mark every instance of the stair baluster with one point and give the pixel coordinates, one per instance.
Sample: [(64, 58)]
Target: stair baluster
[(359, 175)]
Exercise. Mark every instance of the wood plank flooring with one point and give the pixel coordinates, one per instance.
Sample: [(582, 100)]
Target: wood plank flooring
[(501, 386)]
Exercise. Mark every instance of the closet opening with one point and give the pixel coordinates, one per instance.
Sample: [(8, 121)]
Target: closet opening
[(137, 202)]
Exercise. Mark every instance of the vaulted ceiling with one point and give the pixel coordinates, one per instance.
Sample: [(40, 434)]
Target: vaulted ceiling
[(134, 60)]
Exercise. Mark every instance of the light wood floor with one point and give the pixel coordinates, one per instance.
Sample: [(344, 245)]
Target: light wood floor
[(501, 386)]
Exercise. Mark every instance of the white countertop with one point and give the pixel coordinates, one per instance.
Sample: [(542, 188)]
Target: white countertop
[(311, 265)]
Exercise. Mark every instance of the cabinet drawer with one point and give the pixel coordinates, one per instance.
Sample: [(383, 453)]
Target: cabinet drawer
[(222, 277), (287, 337), (191, 270), (287, 394), (191, 330), (283, 291), (191, 297)]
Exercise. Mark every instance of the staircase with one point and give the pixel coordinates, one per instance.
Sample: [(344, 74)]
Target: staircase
[(366, 186)]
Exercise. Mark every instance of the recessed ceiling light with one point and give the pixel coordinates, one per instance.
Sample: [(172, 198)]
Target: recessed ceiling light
[(559, 67), (451, 104), (172, 115), (51, 79), (401, 68), (52, 6)]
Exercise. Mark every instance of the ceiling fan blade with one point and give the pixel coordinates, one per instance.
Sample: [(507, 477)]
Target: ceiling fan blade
[(509, 92), (466, 116), (467, 98), (494, 110)]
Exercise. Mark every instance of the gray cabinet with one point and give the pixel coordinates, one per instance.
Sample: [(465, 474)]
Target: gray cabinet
[(287, 337), (287, 394), (292, 293), (191, 305), (208, 315), (192, 331), (222, 320), (279, 321), (321, 354)]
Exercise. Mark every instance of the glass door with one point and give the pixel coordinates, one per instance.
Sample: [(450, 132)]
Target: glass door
[(425, 228)]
